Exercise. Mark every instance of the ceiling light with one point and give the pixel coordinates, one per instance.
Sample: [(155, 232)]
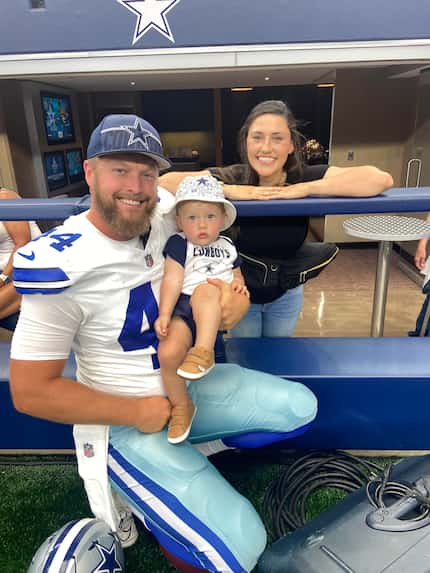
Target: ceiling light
[(267, 78), (326, 85), (132, 83), (241, 89)]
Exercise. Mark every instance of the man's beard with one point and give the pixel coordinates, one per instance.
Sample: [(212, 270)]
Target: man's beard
[(127, 228)]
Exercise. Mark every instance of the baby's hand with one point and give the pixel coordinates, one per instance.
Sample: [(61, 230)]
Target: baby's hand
[(239, 287), (161, 326)]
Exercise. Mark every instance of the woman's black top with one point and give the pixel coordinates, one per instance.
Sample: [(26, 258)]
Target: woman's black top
[(273, 237)]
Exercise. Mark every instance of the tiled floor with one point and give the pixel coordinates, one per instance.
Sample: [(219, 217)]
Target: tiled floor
[(339, 301)]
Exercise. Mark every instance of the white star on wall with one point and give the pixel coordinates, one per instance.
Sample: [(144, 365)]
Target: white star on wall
[(150, 14)]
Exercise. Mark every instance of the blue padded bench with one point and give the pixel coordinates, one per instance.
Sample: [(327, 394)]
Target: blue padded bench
[(373, 393), (22, 432)]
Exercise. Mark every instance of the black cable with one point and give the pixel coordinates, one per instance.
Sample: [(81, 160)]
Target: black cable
[(284, 503), (381, 488)]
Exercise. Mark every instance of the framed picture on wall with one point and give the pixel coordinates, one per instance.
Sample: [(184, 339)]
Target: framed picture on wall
[(57, 118), (55, 169), (75, 171)]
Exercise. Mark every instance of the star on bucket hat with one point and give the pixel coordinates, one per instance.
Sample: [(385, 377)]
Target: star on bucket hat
[(205, 188), (126, 133)]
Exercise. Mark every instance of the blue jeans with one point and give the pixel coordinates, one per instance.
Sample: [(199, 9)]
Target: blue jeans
[(420, 319), (272, 320)]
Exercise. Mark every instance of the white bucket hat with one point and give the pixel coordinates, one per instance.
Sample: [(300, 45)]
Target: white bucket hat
[(206, 188)]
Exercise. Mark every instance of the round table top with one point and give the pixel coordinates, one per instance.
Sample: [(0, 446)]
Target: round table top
[(387, 228)]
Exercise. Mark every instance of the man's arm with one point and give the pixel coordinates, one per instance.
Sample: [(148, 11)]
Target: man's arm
[(233, 305), (41, 343), (39, 389)]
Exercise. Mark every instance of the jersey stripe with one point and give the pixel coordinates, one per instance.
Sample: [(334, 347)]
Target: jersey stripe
[(42, 281)]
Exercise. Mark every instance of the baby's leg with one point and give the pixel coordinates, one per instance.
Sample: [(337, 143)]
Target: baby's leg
[(171, 352), (205, 303)]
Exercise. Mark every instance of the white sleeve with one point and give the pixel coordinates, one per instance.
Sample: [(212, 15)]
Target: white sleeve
[(46, 327)]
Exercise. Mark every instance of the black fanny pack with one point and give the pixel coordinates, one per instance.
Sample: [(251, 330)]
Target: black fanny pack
[(268, 278)]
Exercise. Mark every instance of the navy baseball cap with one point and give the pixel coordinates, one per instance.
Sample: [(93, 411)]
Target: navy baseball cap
[(121, 133)]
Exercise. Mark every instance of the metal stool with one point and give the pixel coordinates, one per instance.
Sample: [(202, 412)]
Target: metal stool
[(385, 229)]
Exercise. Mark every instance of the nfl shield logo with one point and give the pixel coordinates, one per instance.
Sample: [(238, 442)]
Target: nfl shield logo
[(149, 260), (88, 450)]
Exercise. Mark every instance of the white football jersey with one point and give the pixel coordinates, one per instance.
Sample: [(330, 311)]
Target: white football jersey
[(214, 261), (97, 296)]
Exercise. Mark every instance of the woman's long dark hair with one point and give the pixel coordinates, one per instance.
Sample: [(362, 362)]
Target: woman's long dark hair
[(293, 166)]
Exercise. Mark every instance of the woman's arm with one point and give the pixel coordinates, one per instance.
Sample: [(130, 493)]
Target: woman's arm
[(421, 252), (19, 232), (362, 181), (171, 180)]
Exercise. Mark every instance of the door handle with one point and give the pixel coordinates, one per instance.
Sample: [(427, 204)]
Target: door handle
[(408, 171)]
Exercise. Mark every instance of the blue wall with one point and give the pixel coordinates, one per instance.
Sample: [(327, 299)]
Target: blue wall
[(76, 25)]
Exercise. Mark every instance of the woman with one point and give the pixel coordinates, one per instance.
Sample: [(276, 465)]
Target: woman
[(272, 168), (13, 234)]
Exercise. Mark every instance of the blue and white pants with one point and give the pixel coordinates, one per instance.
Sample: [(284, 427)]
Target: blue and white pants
[(179, 495)]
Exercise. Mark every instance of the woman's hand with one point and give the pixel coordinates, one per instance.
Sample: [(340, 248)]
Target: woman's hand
[(252, 193), (421, 254), (233, 305)]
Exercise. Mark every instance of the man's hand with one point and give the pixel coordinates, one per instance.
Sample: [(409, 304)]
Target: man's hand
[(239, 287), (153, 413), (233, 305)]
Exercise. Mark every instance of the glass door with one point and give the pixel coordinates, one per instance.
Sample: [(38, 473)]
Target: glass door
[(418, 167)]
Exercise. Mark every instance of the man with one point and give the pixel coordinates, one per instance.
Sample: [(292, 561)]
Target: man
[(92, 285)]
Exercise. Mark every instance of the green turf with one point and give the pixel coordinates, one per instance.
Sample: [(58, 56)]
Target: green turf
[(38, 499)]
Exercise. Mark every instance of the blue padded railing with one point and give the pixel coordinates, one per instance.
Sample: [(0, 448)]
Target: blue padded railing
[(398, 200)]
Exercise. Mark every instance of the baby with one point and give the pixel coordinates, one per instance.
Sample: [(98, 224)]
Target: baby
[(190, 310)]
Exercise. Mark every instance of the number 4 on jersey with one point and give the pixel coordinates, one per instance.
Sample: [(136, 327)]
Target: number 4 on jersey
[(142, 302), (64, 240)]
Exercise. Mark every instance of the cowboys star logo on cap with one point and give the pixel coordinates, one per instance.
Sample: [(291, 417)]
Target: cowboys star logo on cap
[(137, 133), (150, 14), (126, 133)]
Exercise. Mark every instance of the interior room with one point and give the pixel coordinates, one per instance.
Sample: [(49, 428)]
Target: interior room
[(362, 114)]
